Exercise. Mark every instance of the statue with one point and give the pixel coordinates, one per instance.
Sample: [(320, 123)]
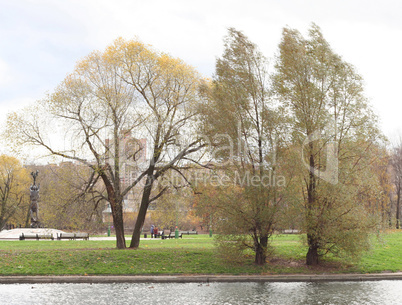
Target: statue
[(34, 190)]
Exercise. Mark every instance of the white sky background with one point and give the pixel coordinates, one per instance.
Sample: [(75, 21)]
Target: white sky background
[(41, 40)]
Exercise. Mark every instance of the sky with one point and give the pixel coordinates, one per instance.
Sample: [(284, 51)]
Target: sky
[(41, 40)]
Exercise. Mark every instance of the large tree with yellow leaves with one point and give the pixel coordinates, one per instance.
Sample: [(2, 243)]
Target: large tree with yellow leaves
[(128, 91), (14, 184)]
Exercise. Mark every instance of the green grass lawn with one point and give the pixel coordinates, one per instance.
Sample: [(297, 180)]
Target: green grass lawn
[(190, 255)]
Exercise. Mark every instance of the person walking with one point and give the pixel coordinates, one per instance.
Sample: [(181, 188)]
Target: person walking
[(152, 231)]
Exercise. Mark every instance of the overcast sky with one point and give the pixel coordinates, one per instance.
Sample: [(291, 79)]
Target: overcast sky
[(41, 40)]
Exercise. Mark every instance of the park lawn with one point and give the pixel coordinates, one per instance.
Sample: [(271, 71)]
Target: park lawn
[(190, 255), (386, 255)]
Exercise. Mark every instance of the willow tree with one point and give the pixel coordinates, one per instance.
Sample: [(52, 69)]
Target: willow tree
[(336, 132), (247, 133), (169, 93), (129, 89), (91, 105)]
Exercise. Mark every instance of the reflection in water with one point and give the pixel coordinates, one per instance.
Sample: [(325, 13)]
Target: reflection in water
[(381, 292)]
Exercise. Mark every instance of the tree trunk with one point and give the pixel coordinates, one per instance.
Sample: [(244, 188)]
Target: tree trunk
[(312, 256), (398, 207), (261, 250), (117, 213), (312, 253), (135, 240)]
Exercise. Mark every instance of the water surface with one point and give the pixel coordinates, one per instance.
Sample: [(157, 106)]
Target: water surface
[(377, 292)]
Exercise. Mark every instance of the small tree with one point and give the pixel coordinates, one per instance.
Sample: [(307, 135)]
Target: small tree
[(14, 184), (396, 163), (70, 199), (174, 208)]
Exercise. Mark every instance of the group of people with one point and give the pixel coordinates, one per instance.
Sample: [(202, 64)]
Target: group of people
[(154, 231)]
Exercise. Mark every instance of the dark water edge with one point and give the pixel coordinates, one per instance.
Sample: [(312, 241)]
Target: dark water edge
[(369, 292)]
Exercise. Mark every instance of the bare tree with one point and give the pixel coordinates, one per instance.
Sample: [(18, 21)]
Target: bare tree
[(127, 89), (168, 90), (90, 105)]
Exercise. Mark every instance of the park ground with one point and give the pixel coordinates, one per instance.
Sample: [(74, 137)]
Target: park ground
[(191, 255)]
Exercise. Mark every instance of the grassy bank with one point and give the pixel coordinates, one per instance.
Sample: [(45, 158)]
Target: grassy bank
[(190, 255)]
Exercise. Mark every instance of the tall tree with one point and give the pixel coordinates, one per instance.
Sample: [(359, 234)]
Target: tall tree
[(129, 89), (169, 94), (14, 184), (335, 129), (90, 105), (246, 130)]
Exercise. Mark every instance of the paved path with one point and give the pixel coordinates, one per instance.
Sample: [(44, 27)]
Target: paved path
[(15, 234), (199, 278)]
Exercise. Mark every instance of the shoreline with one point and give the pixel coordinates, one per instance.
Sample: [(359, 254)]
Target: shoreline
[(108, 279)]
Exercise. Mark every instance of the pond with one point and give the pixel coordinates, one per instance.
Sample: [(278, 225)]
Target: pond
[(370, 292)]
